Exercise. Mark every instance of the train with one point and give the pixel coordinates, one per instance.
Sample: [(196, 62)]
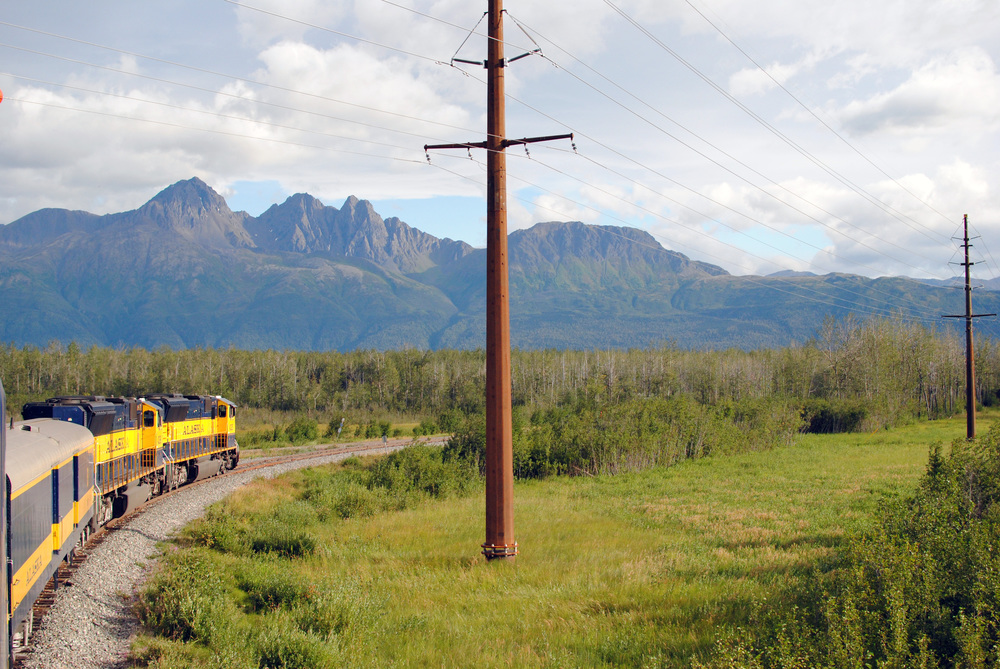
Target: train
[(75, 463)]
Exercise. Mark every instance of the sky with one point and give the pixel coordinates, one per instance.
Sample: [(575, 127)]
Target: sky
[(769, 136)]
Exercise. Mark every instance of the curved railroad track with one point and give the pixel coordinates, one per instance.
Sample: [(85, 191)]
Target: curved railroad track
[(83, 619)]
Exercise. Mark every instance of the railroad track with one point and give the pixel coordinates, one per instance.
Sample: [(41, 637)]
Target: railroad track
[(63, 577)]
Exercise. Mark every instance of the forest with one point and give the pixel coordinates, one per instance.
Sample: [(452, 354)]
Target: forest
[(594, 412), (855, 374)]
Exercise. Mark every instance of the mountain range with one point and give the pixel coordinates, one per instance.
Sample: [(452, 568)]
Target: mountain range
[(184, 270)]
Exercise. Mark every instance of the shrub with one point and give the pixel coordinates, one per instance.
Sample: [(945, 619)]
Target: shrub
[(421, 469), (187, 599), (451, 420), (281, 645), (301, 430), (273, 536), (357, 501), (268, 586), (426, 426), (830, 416), (921, 588)]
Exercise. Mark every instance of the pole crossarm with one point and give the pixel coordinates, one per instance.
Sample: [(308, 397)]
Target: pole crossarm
[(503, 143)]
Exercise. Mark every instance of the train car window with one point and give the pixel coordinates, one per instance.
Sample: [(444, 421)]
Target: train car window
[(149, 419), (222, 411)]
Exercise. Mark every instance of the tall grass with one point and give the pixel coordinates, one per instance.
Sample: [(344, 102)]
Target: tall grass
[(920, 588), (638, 569)]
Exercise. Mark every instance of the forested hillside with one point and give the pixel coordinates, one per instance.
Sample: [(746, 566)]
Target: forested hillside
[(185, 271)]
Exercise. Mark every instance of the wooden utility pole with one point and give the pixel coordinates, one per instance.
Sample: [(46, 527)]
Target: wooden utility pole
[(500, 541), (499, 431), (970, 361)]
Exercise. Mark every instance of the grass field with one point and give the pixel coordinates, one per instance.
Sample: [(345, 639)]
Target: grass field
[(638, 570)]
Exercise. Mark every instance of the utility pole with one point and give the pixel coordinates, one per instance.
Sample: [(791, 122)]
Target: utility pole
[(970, 362), (500, 543)]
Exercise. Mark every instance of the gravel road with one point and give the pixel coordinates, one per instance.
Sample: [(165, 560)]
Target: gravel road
[(91, 624)]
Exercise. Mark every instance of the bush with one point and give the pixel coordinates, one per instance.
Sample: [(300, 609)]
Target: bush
[(468, 444), (583, 437), (426, 426), (273, 536), (451, 420), (832, 416), (187, 599), (421, 469), (302, 430), (268, 586), (921, 589), (281, 645)]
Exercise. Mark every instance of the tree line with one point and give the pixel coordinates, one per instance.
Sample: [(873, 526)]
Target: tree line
[(883, 370)]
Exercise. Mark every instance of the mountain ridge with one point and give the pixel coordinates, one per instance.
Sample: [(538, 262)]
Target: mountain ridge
[(185, 270)]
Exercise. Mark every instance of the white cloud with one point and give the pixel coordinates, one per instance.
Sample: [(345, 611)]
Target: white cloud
[(961, 87), (753, 81)]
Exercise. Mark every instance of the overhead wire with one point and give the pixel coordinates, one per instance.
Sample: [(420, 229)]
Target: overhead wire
[(228, 133), (915, 308), (761, 281), (264, 84), (900, 216), (816, 116), (723, 152), (233, 117), (526, 29), (193, 68), (778, 231)]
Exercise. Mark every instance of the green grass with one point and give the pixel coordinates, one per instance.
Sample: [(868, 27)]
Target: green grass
[(635, 570)]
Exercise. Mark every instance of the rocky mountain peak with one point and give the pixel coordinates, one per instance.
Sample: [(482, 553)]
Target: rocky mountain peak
[(192, 208)]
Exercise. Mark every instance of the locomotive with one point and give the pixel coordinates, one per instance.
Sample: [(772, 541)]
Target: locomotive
[(75, 463)]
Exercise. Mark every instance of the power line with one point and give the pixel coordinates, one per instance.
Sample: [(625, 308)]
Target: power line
[(403, 132), (255, 82), (730, 171), (777, 133), (339, 101), (813, 113), (219, 114), (930, 317), (758, 222), (209, 130)]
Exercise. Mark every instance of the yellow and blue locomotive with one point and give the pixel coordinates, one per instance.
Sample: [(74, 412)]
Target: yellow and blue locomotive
[(74, 463)]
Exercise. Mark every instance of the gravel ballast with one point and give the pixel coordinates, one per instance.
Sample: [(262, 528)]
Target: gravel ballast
[(91, 624)]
